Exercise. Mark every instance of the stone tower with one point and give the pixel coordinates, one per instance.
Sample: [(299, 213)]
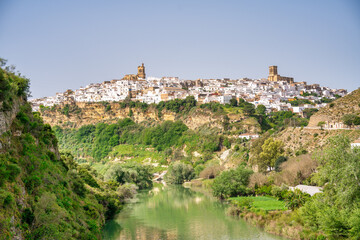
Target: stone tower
[(273, 71), (141, 71)]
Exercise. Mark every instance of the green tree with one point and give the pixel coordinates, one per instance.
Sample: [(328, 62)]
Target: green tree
[(308, 112), (261, 109), (321, 124), (336, 211), (249, 109), (130, 173), (271, 150), (278, 163), (233, 102), (232, 183), (178, 173), (351, 120)]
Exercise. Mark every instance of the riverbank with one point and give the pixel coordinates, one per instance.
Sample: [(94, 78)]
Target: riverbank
[(273, 217)]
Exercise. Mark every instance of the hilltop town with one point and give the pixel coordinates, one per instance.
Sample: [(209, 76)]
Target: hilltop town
[(276, 93)]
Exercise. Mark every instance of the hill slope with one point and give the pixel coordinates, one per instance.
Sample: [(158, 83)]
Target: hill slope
[(43, 195), (335, 111)]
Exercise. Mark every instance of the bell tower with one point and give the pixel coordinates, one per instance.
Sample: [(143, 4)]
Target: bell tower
[(141, 72), (273, 70)]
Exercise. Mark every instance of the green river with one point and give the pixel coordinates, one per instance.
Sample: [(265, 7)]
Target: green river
[(175, 212)]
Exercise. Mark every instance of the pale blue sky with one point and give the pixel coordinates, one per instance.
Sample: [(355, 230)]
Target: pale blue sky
[(71, 43)]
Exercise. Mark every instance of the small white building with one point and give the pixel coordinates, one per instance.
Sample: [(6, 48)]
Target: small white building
[(355, 144), (311, 190), (249, 136)]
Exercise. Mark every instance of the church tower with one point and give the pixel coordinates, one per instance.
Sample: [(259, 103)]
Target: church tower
[(141, 72)]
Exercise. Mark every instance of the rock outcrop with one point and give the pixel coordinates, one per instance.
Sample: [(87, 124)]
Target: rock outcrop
[(79, 114)]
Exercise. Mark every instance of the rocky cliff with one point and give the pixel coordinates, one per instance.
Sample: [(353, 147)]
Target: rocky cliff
[(75, 115)]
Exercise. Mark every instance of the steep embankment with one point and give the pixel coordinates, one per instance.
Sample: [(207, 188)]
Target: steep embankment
[(43, 195), (311, 138), (334, 111), (79, 114)]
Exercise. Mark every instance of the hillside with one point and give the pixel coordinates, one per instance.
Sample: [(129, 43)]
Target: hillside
[(78, 114), (43, 194), (333, 112)]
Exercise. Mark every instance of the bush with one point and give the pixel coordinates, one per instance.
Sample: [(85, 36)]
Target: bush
[(79, 187), (178, 173), (27, 216), (232, 183), (127, 191), (211, 171), (130, 173), (8, 200), (295, 199), (263, 190), (278, 163)]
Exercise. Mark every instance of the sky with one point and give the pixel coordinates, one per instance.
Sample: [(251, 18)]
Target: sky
[(67, 44)]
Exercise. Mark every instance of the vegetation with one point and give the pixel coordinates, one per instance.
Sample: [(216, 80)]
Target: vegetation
[(232, 183), (130, 173), (12, 86), (351, 120), (336, 211), (45, 195), (178, 173), (261, 202)]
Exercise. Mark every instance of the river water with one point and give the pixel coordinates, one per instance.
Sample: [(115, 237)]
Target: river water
[(175, 212)]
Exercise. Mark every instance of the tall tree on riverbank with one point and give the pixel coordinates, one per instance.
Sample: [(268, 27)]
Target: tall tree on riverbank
[(336, 212)]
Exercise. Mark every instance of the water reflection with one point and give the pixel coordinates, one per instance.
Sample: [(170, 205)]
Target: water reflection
[(175, 212)]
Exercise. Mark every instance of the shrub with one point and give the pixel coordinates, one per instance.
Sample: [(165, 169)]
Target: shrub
[(211, 171), (79, 187), (232, 183), (278, 162), (263, 190), (291, 170), (8, 200), (295, 199), (127, 191), (244, 203), (27, 216), (130, 173), (178, 173)]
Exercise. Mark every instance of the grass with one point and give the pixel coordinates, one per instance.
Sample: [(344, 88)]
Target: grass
[(131, 153), (136, 153), (263, 203), (233, 110)]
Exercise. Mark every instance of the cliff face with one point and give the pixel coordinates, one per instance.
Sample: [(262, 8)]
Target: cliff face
[(6, 117), (335, 111), (75, 115)]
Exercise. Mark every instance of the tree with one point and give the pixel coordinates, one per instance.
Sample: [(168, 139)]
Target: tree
[(351, 120), (249, 109), (336, 211), (308, 112), (260, 109), (226, 122), (178, 173), (321, 124), (278, 163), (131, 113), (233, 102), (232, 183), (130, 173), (271, 150)]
